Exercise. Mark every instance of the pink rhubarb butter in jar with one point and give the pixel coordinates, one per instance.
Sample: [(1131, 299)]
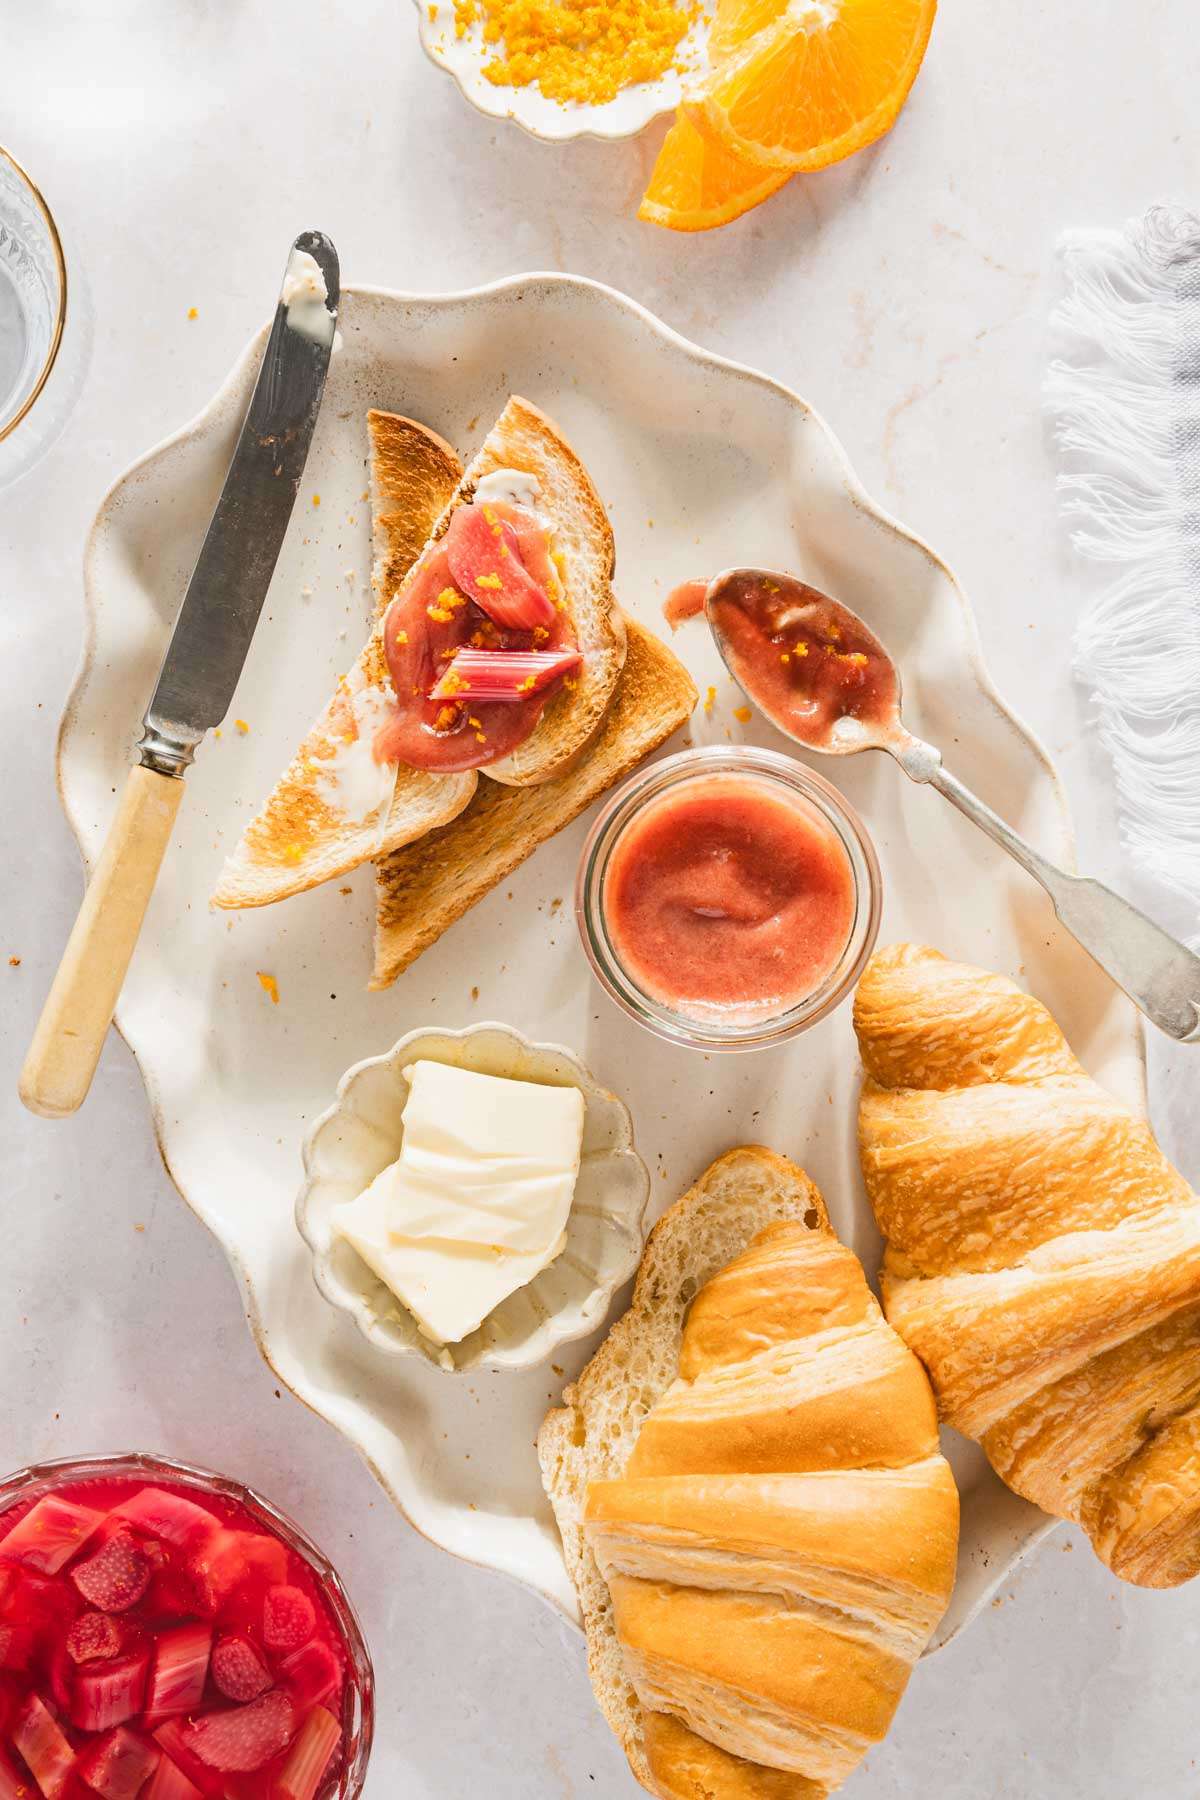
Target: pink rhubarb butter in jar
[(731, 897)]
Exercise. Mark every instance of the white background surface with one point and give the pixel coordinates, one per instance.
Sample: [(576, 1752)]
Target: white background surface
[(906, 295)]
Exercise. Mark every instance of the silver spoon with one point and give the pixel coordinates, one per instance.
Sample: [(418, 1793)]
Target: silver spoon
[(840, 694)]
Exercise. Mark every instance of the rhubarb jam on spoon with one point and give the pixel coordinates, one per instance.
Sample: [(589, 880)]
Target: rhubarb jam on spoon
[(810, 663)]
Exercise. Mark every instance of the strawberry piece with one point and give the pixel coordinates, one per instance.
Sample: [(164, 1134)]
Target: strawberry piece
[(311, 1674), (246, 1737), (309, 1757), (116, 1577), (289, 1618), (170, 1517), (119, 1765), (94, 1637), (179, 1672), (172, 1740), (41, 1742), (106, 1694), (13, 1785), (50, 1534), (485, 560), (479, 676), (16, 1646), (238, 1671), (170, 1783)]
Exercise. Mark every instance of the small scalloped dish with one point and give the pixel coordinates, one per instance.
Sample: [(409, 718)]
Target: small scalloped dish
[(553, 121), (361, 1134)]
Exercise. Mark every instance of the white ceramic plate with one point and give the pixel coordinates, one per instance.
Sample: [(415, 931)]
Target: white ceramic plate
[(555, 122), (703, 464)]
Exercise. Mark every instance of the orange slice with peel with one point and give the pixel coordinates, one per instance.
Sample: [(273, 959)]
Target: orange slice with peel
[(799, 84), (697, 183)]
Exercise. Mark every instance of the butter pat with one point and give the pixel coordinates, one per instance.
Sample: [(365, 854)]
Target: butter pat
[(477, 1202)]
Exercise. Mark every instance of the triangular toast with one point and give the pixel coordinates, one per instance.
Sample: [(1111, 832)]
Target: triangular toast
[(334, 807)]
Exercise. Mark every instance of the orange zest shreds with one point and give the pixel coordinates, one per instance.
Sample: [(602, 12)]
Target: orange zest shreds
[(697, 184), (492, 582), (433, 13), (742, 714), (710, 699), (193, 312), (270, 986), (453, 683), (803, 85), (316, 499), (242, 726), (445, 718), (475, 724), (578, 50), (402, 637)]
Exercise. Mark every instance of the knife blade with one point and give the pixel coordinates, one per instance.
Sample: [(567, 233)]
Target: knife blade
[(229, 583), (196, 682)]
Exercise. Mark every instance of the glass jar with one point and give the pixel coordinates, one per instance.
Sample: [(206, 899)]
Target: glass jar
[(782, 778)]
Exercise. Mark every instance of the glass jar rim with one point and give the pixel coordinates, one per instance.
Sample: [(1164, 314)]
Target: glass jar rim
[(60, 315), (645, 786), (114, 1465)]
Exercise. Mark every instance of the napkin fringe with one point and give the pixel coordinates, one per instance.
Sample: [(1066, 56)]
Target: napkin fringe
[(1124, 401)]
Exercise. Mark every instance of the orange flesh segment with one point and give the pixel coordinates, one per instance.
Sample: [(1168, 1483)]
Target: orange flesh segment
[(802, 88), (697, 183)]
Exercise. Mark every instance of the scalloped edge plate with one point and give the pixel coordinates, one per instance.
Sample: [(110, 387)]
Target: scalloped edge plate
[(747, 471)]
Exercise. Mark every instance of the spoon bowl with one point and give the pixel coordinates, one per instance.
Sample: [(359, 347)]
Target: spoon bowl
[(812, 666)]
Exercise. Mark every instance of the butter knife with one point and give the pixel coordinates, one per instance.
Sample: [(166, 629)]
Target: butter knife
[(196, 683)]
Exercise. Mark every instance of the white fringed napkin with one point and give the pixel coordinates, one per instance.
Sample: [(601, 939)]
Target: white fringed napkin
[(1125, 399)]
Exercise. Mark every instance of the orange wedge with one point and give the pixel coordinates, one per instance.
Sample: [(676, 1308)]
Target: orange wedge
[(697, 183), (798, 84)]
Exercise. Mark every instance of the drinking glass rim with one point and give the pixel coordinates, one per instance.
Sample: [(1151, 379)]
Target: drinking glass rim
[(60, 318)]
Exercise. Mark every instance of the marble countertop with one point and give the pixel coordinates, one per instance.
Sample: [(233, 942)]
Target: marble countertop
[(906, 294)]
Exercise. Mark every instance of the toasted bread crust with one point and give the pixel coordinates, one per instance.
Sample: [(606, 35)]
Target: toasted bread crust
[(423, 888), (414, 473)]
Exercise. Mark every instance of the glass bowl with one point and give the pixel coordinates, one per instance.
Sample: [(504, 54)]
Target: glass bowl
[(786, 776), (358, 1699)]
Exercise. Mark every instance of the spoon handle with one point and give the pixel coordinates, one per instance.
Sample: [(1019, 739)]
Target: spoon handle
[(1160, 975)]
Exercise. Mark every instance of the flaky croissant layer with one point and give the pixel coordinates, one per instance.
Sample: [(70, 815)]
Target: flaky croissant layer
[(1043, 1257)]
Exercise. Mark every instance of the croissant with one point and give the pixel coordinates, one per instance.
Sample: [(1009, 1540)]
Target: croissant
[(1043, 1257), (781, 1543)]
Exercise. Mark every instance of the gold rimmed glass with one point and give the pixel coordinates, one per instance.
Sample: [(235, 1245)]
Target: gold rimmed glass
[(44, 324)]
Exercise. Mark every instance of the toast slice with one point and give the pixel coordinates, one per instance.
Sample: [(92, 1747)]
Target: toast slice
[(334, 808), (591, 1436), (423, 888), (525, 439)]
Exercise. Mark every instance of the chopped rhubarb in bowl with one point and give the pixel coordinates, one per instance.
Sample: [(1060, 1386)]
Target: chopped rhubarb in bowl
[(165, 1633)]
